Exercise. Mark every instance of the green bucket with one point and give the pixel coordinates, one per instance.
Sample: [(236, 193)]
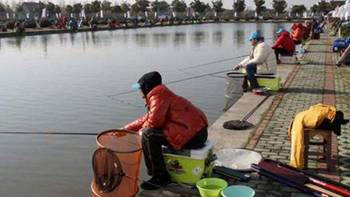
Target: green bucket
[(211, 187)]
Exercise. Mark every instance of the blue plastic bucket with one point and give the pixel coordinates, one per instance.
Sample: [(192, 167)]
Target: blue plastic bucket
[(238, 191)]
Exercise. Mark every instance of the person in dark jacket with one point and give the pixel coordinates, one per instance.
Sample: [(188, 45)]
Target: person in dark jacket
[(170, 120), (284, 44)]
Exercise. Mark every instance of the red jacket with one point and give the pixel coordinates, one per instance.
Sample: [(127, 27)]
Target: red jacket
[(297, 32), (179, 119), (284, 41)]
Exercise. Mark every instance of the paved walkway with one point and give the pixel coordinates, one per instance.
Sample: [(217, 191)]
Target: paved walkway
[(319, 81)]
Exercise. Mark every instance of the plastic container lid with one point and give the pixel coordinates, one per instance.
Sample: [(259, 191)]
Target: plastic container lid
[(202, 153)]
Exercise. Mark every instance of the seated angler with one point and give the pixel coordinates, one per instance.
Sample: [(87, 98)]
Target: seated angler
[(260, 59), (170, 120), (284, 45)]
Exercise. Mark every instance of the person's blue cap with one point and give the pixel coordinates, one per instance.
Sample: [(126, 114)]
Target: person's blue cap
[(280, 30), (254, 36), (135, 86)]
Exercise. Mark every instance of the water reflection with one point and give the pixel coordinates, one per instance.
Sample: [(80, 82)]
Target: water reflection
[(198, 37), (239, 36), (161, 38), (217, 37), (141, 39), (44, 42), (16, 41), (179, 38), (260, 27), (193, 36)]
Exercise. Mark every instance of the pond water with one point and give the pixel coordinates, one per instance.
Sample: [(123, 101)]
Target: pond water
[(73, 83)]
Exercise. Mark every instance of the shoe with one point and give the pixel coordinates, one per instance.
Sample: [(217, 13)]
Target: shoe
[(279, 62), (156, 182), (258, 91)]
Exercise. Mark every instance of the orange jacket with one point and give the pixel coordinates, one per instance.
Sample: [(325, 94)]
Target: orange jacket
[(179, 119), (297, 32)]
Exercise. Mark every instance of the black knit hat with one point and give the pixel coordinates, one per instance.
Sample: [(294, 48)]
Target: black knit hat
[(148, 81)]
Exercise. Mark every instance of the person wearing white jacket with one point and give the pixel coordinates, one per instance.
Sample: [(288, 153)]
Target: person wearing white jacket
[(261, 59)]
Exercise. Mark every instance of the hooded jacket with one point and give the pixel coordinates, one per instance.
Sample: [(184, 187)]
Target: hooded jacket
[(179, 119), (284, 41), (262, 55), (311, 118), (297, 32)]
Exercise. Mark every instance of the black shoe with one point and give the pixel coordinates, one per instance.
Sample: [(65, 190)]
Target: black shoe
[(156, 182)]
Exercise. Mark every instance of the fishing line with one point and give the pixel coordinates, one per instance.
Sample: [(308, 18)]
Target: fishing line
[(210, 63)]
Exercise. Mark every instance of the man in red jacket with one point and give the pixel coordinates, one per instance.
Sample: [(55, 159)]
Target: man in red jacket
[(284, 44), (170, 120)]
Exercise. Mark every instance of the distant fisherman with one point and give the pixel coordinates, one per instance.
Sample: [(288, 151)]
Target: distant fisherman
[(284, 44), (260, 58)]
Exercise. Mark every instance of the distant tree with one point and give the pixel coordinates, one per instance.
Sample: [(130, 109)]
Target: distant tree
[(315, 9), (125, 8), (217, 5), (279, 6), (298, 10), (239, 6), (117, 9), (140, 6), (259, 4), (58, 9), (88, 9), (160, 6), (69, 9), (50, 9), (19, 8), (106, 5), (198, 6), (179, 6), (77, 8), (96, 7), (42, 6), (2, 7), (324, 7)]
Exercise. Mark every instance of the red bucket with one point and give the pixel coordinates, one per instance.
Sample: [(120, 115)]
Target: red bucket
[(126, 147)]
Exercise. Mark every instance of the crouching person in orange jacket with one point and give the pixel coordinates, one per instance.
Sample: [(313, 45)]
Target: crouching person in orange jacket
[(170, 120)]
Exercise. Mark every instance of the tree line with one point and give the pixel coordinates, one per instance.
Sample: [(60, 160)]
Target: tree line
[(157, 6)]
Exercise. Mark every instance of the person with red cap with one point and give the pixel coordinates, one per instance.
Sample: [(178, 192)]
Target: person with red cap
[(171, 120), (284, 45)]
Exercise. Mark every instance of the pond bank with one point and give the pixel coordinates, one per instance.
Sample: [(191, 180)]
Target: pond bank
[(45, 31)]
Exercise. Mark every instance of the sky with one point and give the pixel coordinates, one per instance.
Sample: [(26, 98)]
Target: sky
[(227, 3)]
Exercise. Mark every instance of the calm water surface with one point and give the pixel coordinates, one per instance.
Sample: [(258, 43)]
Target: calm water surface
[(71, 82)]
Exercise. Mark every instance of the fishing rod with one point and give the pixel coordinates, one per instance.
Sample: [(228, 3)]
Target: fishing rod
[(213, 62), (175, 81), (44, 133)]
